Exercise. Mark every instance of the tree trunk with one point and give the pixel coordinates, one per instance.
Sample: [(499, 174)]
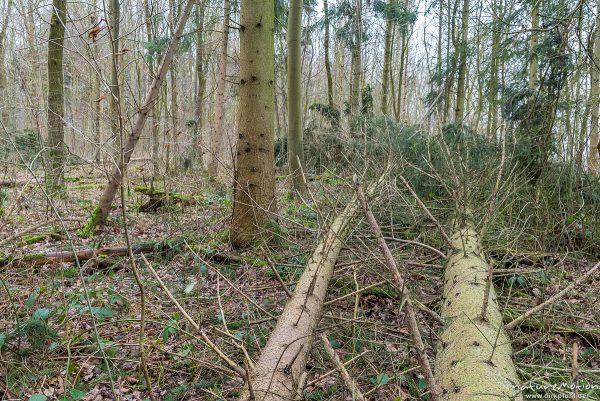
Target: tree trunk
[(462, 65), (154, 115), (327, 60), (173, 145), (295, 144), (387, 62), (200, 87), (99, 217), (493, 83), (595, 98), (254, 178), (5, 111), (114, 20), (474, 358), (356, 62), (217, 134), (535, 37), (56, 135)]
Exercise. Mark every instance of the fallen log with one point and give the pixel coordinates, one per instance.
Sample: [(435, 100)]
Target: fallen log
[(160, 198), (474, 356), (283, 360), (56, 257)]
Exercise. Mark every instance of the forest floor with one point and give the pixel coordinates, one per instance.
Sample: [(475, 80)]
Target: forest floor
[(71, 333)]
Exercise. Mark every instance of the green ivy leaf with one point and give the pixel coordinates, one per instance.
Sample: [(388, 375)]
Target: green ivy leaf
[(37, 397), (102, 312), (422, 383), (2, 340), (41, 314), (189, 288), (381, 379), (31, 299), (77, 394), (335, 344)]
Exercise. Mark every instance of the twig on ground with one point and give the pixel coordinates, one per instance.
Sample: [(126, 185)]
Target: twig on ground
[(350, 383), (332, 371)]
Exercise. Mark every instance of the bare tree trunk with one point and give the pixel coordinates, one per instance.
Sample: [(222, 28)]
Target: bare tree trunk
[(100, 215), (535, 37), (254, 178), (387, 62), (154, 115), (326, 41), (295, 144), (200, 86), (173, 148), (493, 83), (5, 112), (114, 20), (356, 62), (595, 98), (462, 65), (217, 134), (56, 134)]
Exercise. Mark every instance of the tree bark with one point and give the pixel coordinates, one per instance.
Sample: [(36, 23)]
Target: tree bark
[(387, 62), (462, 65), (254, 178), (200, 86), (154, 115), (474, 357), (326, 41), (533, 43), (216, 150), (108, 197), (114, 11), (295, 144), (5, 111), (172, 146), (56, 134), (595, 98), (493, 83), (356, 62)]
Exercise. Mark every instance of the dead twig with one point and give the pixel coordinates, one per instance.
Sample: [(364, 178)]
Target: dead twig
[(350, 383)]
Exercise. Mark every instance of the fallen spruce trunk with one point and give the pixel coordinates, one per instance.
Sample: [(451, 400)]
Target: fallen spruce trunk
[(474, 357), (283, 360), (48, 258)]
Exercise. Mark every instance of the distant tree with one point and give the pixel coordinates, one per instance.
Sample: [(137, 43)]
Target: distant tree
[(294, 77), (56, 134), (217, 133)]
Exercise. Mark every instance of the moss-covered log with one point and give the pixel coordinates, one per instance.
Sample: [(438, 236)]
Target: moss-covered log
[(160, 198), (49, 258), (474, 358)]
